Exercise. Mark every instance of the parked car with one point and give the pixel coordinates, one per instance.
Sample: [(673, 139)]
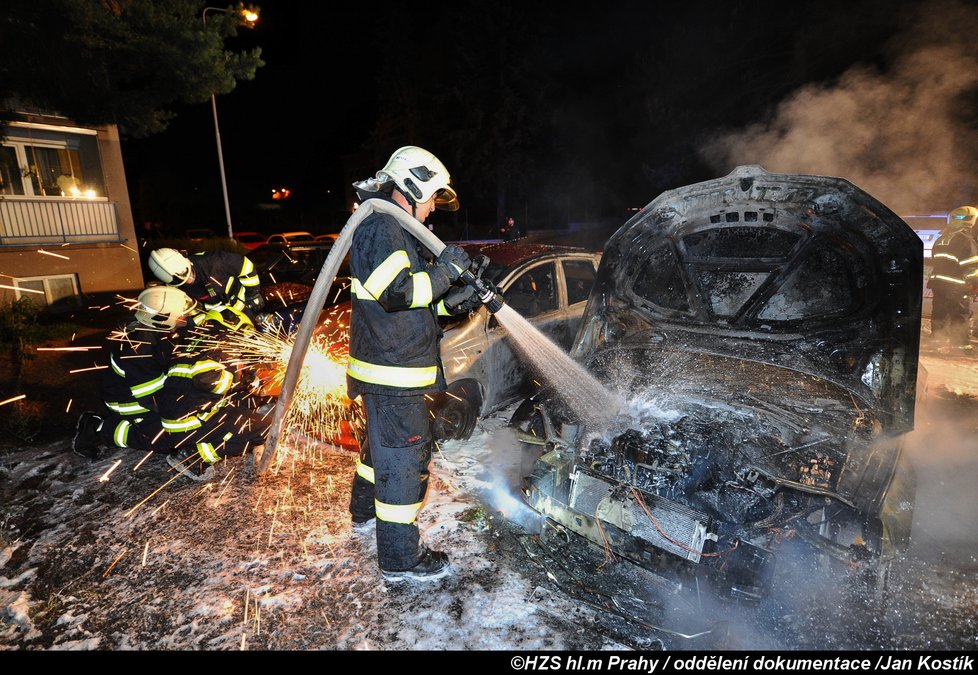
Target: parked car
[(328, 238), (288, 272), (292, 238), (764, 328), (250, 240)]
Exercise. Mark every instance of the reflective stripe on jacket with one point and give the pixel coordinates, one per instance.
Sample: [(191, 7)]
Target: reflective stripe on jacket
[(955, 261)]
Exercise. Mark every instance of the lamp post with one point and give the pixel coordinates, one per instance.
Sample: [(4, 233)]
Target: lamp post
[(249, 18)]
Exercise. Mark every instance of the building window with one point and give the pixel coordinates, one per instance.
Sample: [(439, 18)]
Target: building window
[(50, 289), (37, 161)]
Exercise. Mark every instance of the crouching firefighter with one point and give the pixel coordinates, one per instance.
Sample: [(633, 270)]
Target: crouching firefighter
[(953, 278), (398, 291), (218, 280), (201, 408), (138, 362)]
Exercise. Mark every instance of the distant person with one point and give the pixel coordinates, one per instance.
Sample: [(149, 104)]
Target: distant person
[(395, 364), (141, 355), (953, 278), (218, 280), (509, 230)]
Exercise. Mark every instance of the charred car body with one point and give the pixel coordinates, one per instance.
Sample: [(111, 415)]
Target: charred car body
[(766, 329)]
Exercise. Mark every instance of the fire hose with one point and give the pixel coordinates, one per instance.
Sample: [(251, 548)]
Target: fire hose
[(317, 299)]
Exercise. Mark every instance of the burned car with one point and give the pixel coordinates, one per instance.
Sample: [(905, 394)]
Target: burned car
[(548, 286), (762, 330)]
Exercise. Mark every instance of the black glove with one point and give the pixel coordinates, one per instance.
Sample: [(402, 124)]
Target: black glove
[(479, 265), (461, 300), (455, 261)]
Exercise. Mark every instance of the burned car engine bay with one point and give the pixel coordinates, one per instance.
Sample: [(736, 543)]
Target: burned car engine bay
[(763, 330)]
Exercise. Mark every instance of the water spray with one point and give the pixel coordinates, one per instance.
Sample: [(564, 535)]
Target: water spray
[(317, 299)]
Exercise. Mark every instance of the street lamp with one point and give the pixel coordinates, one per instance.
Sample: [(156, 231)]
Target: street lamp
[(248, 18)]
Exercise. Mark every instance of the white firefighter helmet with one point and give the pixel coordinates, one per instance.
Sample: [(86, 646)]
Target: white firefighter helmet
[(962, 217), (164, 307), (170, 266), (420, 176)]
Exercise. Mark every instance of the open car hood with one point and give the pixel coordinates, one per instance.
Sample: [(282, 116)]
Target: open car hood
[(802, 272)]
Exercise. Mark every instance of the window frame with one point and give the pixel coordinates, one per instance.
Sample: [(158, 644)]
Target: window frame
[(45, 282)]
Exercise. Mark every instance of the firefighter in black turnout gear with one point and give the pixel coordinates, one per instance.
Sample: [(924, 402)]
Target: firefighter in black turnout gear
[(398, 291), (953, 278), (217, 280), (201, 405), (141, 355)]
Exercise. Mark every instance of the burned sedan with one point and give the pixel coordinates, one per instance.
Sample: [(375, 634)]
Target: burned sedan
[(762, 331)]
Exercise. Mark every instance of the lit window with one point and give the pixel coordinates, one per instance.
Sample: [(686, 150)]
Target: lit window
[(39, 162)]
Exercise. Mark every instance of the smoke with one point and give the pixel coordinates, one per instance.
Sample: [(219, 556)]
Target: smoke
[(944, 452), (905, 133)]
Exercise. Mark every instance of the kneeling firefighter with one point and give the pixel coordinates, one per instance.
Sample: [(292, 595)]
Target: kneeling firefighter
[(398, 291), (138, 363)]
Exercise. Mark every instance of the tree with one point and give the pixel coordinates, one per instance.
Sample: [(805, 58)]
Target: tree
[(117, 61)]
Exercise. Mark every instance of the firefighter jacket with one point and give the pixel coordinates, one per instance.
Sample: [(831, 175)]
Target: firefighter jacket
[(137, 369), (394, 331), (138, 362), (197, 386), (955, 263), (224, 279)]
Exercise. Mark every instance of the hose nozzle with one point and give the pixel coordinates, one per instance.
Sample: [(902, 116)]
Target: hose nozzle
[(490, 298)]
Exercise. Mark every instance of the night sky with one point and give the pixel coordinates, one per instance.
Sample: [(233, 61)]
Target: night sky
[(563, 115)]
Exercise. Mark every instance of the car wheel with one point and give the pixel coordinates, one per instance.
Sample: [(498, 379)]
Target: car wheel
[(455, 418)]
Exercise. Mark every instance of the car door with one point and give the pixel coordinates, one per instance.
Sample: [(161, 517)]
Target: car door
[(577, 274), (536, 294)]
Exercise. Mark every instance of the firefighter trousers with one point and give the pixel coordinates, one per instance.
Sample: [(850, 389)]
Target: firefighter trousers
[(392, 476), (951, 315), (142, 431)]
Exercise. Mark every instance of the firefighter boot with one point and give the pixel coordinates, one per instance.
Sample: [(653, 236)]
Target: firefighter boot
[(86, 440), (433, 565)]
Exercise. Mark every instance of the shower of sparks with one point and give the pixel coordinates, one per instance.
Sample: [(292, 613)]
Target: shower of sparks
[(145, 552), (148, 455), (70, 400), (104, 478), (23, 290), (11, 400), (320, 408), (130, 248), (54, 255), (82, 370), (66, 349), (115, 562)]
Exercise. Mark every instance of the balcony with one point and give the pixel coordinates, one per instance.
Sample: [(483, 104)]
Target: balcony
[(27, 221)]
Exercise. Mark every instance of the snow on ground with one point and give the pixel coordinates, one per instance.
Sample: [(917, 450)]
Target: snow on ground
[(245, 562)]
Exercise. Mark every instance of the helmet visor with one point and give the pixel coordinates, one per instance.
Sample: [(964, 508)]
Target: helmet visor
[(446, 199)]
